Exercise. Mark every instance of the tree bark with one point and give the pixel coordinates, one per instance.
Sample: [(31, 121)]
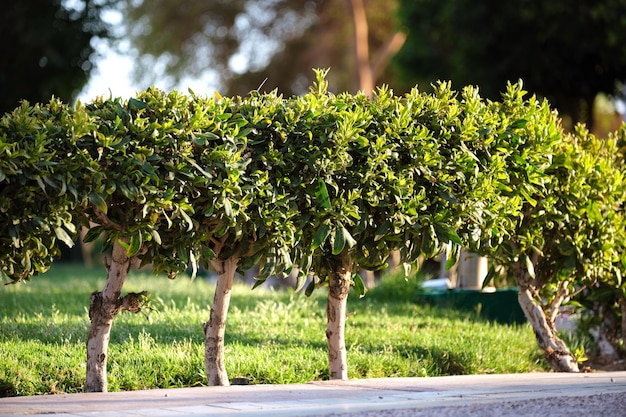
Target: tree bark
[(336, 306), (555, 350), (215, 328), (104, 306)]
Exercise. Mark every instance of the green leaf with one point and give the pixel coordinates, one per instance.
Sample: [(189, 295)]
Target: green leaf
[(593, 212), (199, 168), (99, 202), (529, 266), (448, 233), (194, 265), (187, 219), (361, 141), (320, 236), (268, 266), (451, 260), (321, 194), (26, 262), (492, 273), (258, 282), (339, 241), (300, 281), (518, 124), (207, 253), (245, 132), (359, 286), (382, 230), (228, 208), (63, 236), (156, 236), (342, 238), (528, 197), (135, 104), (310, 288), (92, 234), (134, 245)]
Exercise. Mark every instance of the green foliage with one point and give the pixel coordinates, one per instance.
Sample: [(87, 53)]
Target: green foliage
[(396, 173), (41, 167), (568, 231), (601, 307), (146, 148)]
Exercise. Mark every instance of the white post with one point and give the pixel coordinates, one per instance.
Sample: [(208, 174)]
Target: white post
[(472, 271)]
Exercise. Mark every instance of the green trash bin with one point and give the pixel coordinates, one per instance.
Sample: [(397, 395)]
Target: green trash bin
[(500, 306)]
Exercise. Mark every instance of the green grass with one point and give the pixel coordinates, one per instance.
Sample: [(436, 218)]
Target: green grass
[(274, 337)]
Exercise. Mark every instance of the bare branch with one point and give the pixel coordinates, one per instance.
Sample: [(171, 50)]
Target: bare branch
[(389, 49), (105, 221)]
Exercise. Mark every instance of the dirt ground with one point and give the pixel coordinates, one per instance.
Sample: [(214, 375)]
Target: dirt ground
[(601, 364)]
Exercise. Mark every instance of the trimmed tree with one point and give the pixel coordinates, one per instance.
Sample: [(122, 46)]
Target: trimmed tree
[(138, 202), (243, 213), (388, 174), (568, 233)]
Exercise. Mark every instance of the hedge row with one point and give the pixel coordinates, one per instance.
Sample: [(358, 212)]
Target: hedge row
[(306, 181), (276, 179)]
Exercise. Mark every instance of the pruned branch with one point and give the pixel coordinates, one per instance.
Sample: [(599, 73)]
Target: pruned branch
[(133, 301)]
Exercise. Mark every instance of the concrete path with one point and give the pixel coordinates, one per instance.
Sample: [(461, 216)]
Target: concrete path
[(541, 394)]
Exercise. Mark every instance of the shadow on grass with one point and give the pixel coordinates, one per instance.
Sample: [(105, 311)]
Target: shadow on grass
[(416, 361), (7, 389)]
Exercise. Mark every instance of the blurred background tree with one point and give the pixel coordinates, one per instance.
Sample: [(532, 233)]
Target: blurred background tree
[(243, 42), (567, 51), (46, 48)]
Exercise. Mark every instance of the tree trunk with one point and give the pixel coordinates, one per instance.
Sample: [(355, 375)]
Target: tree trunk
[(104, 306), (336, 305), (361, 41), (215, 328), (555, 350)]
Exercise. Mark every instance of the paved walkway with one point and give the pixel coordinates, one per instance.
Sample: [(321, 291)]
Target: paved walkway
[(592, 394)]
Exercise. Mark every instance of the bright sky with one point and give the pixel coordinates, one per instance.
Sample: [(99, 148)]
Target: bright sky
[(112, 76), (113, 72)]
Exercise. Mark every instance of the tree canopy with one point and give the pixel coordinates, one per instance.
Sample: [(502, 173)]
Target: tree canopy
[(46, 48), (566, 51)]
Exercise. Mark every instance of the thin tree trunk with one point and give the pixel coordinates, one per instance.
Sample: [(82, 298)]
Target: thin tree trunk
[(215, 328), (336, 306), (361, 41), (555, 350), (104, 306)]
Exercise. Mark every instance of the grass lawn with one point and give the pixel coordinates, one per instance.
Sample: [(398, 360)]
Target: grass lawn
[(272, 337)]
